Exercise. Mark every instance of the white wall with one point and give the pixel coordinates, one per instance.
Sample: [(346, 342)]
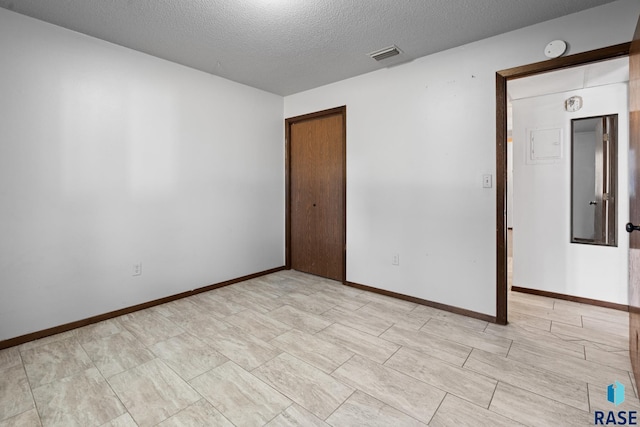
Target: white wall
[(509, 184), (543, 257), (110, 157), (419, 138)]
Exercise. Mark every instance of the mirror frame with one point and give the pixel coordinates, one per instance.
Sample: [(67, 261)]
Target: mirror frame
[(609, 234)]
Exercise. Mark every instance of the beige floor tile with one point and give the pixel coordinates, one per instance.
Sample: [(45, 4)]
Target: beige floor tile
[(306, 385), (183, 312), (255, 301), (635, 385), (265, 288), (149, 328), (364, 344), (425, 313), (322, 354), (295, 281), (187, 355), (117, 353), (201, 413), (616, 328), (535, 410), (255, 283), (458, 412), (258, 324), (578, 369), (390, 302), (587, 343), (592, 311), (542, 382), (260, 281), (10, 357), (461, 382), (347, 302), (392, 313), (577, 333), (546, 313), (218, 306), (246, 350), (428, 344), (527, 322), (306, 303), (15, 393), (123, 420), (226, 291), (340, 289), (306, 283), (397, 390), (314, 327), (99, 330), (296, 416), (530, 299), (240, 396), (339, 286), (573, 306), (361, 321), (470, 337), (172, 308), (26, 419), (84, 399), (362, 409), (347, 294), (205, 326), (152, 392), (299, 319), (54, 361), (537, 338), (47, 340)]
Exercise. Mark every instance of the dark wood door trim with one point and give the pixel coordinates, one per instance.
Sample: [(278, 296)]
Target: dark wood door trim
[(501, 149), (634, 203), (288, 122)]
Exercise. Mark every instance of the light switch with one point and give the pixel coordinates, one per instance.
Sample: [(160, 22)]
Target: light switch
[(487, 180)]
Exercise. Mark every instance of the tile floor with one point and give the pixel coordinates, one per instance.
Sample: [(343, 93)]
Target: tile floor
[(291, 349)]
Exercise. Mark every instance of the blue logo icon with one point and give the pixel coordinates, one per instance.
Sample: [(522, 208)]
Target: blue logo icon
[(615, 393)]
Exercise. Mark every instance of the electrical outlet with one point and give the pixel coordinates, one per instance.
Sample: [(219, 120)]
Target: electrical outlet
[(137, 269), (396, 259)]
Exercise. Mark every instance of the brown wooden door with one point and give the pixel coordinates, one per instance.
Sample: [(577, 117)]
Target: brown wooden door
[(634, 202), (317, 193)]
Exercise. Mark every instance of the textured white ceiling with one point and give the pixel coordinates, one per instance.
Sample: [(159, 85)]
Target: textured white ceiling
[(287, 46)]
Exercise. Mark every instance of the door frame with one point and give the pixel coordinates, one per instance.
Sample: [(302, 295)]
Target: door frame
[(502, 77), (288, 123)]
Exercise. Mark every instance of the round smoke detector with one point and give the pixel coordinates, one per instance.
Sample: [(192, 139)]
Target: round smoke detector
[(555, 49)]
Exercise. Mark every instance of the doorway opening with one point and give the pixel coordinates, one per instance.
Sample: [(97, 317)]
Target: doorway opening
[(502, 77)]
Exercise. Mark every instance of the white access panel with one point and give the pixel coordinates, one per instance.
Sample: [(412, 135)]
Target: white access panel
[(544, 146)]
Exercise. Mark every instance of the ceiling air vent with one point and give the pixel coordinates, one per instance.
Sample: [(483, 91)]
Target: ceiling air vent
[(385, 53)]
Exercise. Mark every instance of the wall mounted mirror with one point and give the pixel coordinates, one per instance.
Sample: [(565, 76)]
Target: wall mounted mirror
[(594, 179)]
